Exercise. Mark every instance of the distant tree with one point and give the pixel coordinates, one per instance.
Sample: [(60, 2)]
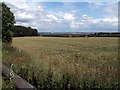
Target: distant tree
[(20, 31), (0, 21), (8, 21)]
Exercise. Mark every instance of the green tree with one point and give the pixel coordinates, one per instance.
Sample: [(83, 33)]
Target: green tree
[(20, 31), (0, 21), (8, 21)]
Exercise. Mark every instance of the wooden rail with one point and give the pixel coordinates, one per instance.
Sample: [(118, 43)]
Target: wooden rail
[(20, 83)]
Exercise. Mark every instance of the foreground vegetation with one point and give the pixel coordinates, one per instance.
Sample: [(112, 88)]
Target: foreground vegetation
[(65, 62)]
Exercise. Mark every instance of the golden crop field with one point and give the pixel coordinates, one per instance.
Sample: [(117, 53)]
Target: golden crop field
[(49, 62)]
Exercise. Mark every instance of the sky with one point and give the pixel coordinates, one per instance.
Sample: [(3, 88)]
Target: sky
[(66, 15)]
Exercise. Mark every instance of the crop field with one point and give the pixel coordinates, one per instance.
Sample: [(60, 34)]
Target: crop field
[(57, 62)]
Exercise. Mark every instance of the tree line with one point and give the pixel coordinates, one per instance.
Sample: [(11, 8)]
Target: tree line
[(21, 31), (99, 34)]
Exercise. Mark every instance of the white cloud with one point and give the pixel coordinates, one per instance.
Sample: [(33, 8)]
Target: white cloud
[(36, 15), (68, 16), (86, 17), (45, 20), (87, 22), (76, 24), (39, 8), (51, 16), (24, 12), (108, 9), (24, 15), (23, 24), (105, 21), (20, 4), (111, 9)]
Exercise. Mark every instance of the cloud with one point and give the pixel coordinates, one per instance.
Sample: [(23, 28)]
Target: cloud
[(22, 23), (23, 16), (19, 4), (88, 23), (105, 21), (107, 9), (39, 9), (68, 16), (111, 9), (85, 16), (76, 24), (51, 16)]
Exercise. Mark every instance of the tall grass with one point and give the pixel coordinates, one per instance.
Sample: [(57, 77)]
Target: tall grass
[(65, 63), (7, 83)]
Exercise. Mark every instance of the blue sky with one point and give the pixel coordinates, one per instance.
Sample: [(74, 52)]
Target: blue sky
[(66, 16)]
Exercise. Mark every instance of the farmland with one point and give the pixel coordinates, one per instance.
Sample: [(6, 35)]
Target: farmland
[(50, 62)]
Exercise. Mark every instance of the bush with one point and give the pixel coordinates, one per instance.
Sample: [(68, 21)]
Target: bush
[(8, 21)]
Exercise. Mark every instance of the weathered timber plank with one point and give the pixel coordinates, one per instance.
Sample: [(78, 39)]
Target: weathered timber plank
[(20, 83)]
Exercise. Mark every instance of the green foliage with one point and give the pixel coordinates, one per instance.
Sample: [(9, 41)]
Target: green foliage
[(8, 21), (7, 83), (20, 31), (0, 20), (7, 36)]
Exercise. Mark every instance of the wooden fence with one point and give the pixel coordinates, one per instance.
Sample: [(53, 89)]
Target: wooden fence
[(20, 83)]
